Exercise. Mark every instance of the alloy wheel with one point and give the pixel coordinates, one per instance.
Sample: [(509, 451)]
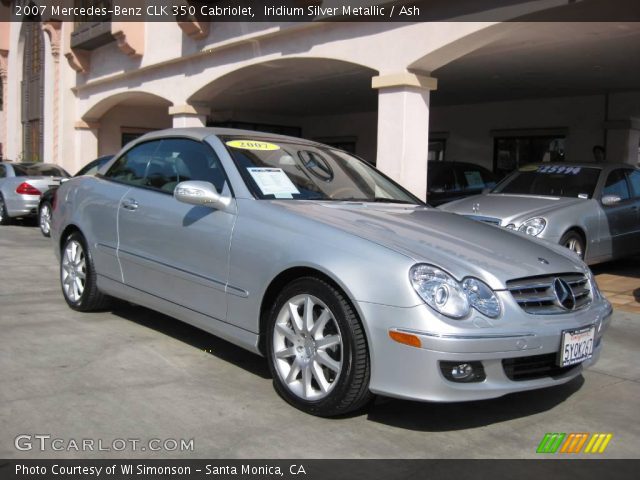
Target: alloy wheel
[(575, 246), (307, 347), (74, 270), (45, 219)]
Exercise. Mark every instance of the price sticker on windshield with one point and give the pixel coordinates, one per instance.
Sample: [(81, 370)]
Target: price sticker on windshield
[(253, 145), (564, 169), (273, 181)]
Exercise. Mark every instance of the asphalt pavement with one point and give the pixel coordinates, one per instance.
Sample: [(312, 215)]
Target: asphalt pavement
[(134, 374)]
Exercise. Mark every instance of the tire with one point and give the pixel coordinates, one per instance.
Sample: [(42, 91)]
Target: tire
[(323, 370), (78, 276), (5, 219), (574, 242), (44, 219)]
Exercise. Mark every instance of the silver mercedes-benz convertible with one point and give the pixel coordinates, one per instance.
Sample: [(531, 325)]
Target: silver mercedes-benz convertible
[(348, 284)]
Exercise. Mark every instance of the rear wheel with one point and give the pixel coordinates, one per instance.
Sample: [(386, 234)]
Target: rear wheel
[(78, 276), (574, 242), (44, 219), (5, 219), (317, 349)]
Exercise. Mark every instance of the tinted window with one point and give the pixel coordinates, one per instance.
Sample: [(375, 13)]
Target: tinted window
[(634, 178), (3, 171), (179, 160), (441, 178), (92, 167), (616, 184), (131, 167), (551, 180), (38, 170)]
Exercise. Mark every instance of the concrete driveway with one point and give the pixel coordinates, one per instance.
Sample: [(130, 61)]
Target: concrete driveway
[(135, 374)]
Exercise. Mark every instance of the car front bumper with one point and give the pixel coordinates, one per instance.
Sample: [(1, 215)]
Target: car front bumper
[(402, 371)]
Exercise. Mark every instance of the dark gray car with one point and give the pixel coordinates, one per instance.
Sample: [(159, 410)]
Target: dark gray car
[(592, 208)]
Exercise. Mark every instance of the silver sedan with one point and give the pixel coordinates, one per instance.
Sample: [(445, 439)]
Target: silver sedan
[(22, 184), (348, 284), (593, 208)]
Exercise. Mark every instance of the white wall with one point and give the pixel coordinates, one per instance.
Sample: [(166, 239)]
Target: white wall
[(111, 124)]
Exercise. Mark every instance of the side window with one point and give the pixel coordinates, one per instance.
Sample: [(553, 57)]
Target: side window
[(179, 160), (132, 166), (442, 178), (3, 171), (472, 178), (616, 184), (634, 178)]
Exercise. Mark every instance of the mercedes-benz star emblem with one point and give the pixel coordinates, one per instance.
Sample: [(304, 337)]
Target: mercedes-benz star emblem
[(564, 294)]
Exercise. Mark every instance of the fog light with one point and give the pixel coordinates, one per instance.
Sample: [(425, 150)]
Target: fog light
[(463, 372)]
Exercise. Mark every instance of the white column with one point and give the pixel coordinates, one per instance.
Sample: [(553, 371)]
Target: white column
[(403, 128), (86, 145), (188, 116)]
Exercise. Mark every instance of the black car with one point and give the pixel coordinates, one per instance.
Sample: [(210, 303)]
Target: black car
[(448, 181), (46, 201)]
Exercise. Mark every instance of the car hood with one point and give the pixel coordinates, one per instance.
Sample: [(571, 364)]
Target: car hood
[(461, 246), (509, 208)]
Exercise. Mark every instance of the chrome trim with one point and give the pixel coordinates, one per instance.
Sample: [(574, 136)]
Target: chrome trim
[(462, 337)]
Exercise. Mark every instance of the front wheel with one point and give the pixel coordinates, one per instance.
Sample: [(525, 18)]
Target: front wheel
[(574, 242), (44, 219), (317, 349), (78, 276)]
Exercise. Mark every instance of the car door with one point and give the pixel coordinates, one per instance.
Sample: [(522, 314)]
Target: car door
[(622, 216), (633, 175), (169, 249)]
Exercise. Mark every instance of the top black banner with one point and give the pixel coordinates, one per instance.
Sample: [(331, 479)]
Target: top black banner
[(278, 11)]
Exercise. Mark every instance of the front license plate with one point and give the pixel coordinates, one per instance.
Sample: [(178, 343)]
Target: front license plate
[(577, 345)]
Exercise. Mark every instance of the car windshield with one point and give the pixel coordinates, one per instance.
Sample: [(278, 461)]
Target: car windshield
[(551, 180), (38, 170), (276, 169)]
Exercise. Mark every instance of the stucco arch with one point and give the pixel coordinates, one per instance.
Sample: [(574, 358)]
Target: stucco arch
[(465, 44), (98, 108), (265, 74)]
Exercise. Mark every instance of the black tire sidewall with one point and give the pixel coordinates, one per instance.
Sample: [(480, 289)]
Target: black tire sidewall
[(5, 216), (326, 294)]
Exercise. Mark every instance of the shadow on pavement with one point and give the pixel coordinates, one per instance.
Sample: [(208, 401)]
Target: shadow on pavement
[(443, 417), (624, 267), (196, 338)]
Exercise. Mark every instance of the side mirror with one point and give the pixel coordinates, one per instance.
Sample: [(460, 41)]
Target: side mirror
[(63, 180), (201, 194), (608, 200)]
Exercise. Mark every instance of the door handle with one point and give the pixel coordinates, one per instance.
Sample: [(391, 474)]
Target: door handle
[(129, 204)]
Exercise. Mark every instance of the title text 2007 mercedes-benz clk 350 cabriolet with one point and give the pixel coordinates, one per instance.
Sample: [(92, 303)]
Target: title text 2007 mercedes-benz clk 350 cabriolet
[(347, 283)]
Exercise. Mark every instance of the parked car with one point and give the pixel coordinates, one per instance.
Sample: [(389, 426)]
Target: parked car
[(448, 181), (22, 184), (592, 209), (346, 282), (46, 200)]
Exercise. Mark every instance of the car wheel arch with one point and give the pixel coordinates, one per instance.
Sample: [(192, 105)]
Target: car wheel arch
[(581, 233), (68, 230), (287, 276)]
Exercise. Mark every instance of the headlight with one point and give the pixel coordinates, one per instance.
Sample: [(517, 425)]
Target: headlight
[(533, 226), (439, 290), (481, 297)]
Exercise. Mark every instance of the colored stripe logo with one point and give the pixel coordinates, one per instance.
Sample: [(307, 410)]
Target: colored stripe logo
[(574, 443)]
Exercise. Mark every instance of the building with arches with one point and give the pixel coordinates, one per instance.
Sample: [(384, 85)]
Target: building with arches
[(496, 93)]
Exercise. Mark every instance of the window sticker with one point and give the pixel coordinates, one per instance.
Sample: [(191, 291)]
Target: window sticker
[(564, 169), (273, 181), (252, 145), (528, 168), (474, 179)]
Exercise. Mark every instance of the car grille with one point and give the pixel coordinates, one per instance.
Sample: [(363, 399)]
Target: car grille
[(537, 366), (538, 295), (480, 218)]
